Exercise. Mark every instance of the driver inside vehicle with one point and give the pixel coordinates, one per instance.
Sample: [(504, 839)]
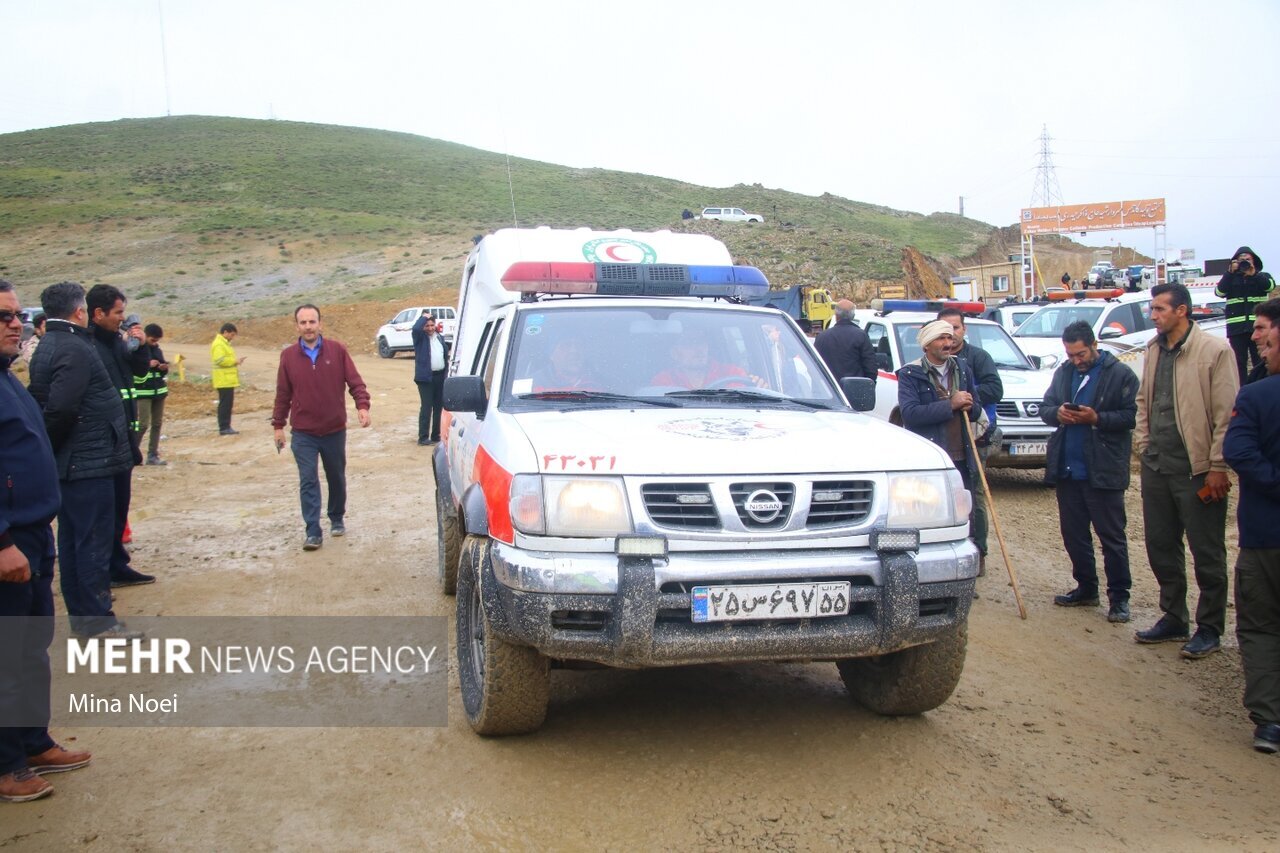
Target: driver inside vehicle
[(566, 369), (693, 367)]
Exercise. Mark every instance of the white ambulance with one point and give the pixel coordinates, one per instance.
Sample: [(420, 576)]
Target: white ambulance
[(636, 469)]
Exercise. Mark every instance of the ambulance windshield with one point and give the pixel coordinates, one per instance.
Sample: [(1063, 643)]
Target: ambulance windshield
[(621, 352)]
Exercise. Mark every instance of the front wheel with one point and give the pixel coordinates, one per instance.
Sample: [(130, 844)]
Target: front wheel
[(447, 539), (505, 687), (384, 349), (910, 681)]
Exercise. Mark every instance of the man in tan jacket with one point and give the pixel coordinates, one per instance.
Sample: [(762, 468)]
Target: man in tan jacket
[(1189, 384)]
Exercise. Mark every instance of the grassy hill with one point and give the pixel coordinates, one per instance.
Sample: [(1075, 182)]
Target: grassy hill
[(206, 217)]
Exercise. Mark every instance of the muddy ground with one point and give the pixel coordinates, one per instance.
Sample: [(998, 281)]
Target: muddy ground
[(1063, 735)]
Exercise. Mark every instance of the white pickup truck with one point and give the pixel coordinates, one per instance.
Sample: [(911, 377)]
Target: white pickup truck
[(638, 470)]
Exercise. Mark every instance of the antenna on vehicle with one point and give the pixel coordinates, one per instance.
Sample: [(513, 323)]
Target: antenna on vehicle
[(511, 187)]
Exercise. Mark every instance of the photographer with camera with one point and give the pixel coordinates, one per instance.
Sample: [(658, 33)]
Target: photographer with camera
[(1245, 286)]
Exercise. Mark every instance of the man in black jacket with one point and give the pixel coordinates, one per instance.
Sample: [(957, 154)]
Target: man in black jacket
[(26, 581), (106, 314), (1093, 402), (430, 363), (90, 440), (1245, 286), (846, 348), (990, 392)]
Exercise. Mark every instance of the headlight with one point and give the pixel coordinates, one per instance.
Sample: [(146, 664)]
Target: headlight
[(928, 499), (569, 506), (1048, 362)]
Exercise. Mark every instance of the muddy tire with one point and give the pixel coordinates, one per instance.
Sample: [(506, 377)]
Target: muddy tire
[(911, 681), (448, 539), (505, 688), (384, 349)]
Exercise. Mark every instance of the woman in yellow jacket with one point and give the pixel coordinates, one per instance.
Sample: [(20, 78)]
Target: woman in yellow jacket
[(226, 375)]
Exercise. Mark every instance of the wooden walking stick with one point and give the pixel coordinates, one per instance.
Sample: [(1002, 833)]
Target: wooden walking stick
[(991, 508)]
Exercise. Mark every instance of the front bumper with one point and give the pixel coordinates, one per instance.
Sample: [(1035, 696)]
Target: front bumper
[(639, 615)]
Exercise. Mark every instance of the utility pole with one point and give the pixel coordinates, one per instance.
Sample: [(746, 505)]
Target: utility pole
[(962, 206), (164, 58)]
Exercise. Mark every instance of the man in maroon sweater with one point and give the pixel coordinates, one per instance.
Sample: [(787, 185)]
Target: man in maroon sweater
[(309, 385)]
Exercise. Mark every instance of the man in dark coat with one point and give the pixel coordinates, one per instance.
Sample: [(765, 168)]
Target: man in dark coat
[(1252, 448), (990, 393), (846, 348), (937, 395), (124, 364), (90, 441), (26, 581), (1245, 287), (430, 364), (1093, 402)]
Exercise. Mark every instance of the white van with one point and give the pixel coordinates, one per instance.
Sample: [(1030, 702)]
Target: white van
[(638, 470), (396, 335), (730, 214)]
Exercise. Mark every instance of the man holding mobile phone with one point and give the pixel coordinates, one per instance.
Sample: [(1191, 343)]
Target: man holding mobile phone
[(1092, 401), (1189, 382)]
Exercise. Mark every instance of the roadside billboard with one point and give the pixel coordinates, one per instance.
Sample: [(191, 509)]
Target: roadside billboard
[(1102, 216)]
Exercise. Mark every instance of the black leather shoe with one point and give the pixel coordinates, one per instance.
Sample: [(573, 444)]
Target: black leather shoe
[(131, 577), (1119, 612), (1077, 598), (1266, 738), (1204, 643), (1166, 630)]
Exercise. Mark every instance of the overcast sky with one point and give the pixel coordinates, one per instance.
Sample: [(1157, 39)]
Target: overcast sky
[(906, 104)]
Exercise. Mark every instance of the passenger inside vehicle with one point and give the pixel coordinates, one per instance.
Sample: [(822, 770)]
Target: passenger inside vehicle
[(693, 367), (566, 369)]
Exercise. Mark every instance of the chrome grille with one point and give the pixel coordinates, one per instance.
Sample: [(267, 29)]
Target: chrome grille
[(681, 505), (1007, 409), (785, 493), (840, 502)]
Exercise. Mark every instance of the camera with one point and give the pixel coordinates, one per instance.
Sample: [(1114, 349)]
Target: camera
[(1244, 265)]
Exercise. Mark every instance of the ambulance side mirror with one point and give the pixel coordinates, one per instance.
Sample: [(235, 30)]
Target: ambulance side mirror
[(466, 394), (861, 392)]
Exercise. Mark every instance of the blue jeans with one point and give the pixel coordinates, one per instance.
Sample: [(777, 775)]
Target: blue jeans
[(330, 451), (24, 650), (86, 540)]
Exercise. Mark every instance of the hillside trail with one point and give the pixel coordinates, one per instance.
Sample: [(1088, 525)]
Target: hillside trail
[(1063, 734)]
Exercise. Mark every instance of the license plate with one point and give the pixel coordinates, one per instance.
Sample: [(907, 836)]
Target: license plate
[(1028, 448), (770, 601)]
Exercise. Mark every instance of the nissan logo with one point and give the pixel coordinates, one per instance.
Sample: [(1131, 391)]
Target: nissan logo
[(763, 506), (1033, 410)]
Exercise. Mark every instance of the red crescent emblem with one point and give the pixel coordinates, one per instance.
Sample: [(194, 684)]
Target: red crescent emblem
[(612, 252)]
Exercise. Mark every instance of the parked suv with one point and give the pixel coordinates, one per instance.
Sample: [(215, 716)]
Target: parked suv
[(730, 214), (664, 476), (1025, 437), (396, 335)]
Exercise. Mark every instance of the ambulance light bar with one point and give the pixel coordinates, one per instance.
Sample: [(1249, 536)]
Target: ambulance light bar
[(884, 306), (635, 279), (1097, 293)]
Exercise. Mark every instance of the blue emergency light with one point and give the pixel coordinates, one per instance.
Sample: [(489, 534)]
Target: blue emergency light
[(635, 279)]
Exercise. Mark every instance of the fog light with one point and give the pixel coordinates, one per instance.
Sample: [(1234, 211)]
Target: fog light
[(641, 546), (895, 540)]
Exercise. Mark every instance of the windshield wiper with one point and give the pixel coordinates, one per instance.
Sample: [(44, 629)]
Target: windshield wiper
[(597, 397), (742, 394)]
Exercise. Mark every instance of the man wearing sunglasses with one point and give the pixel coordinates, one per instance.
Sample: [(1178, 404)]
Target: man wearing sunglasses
[(26, 581)]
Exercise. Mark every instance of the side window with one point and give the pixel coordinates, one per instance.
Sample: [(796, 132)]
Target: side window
[(1144, 315), (738, 212), (712, 210), (449, 314), (481, 350), (880, 344), (491, 359), (401, 317)]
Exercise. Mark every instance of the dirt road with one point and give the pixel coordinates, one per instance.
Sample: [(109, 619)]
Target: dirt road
[(1063, 735)]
